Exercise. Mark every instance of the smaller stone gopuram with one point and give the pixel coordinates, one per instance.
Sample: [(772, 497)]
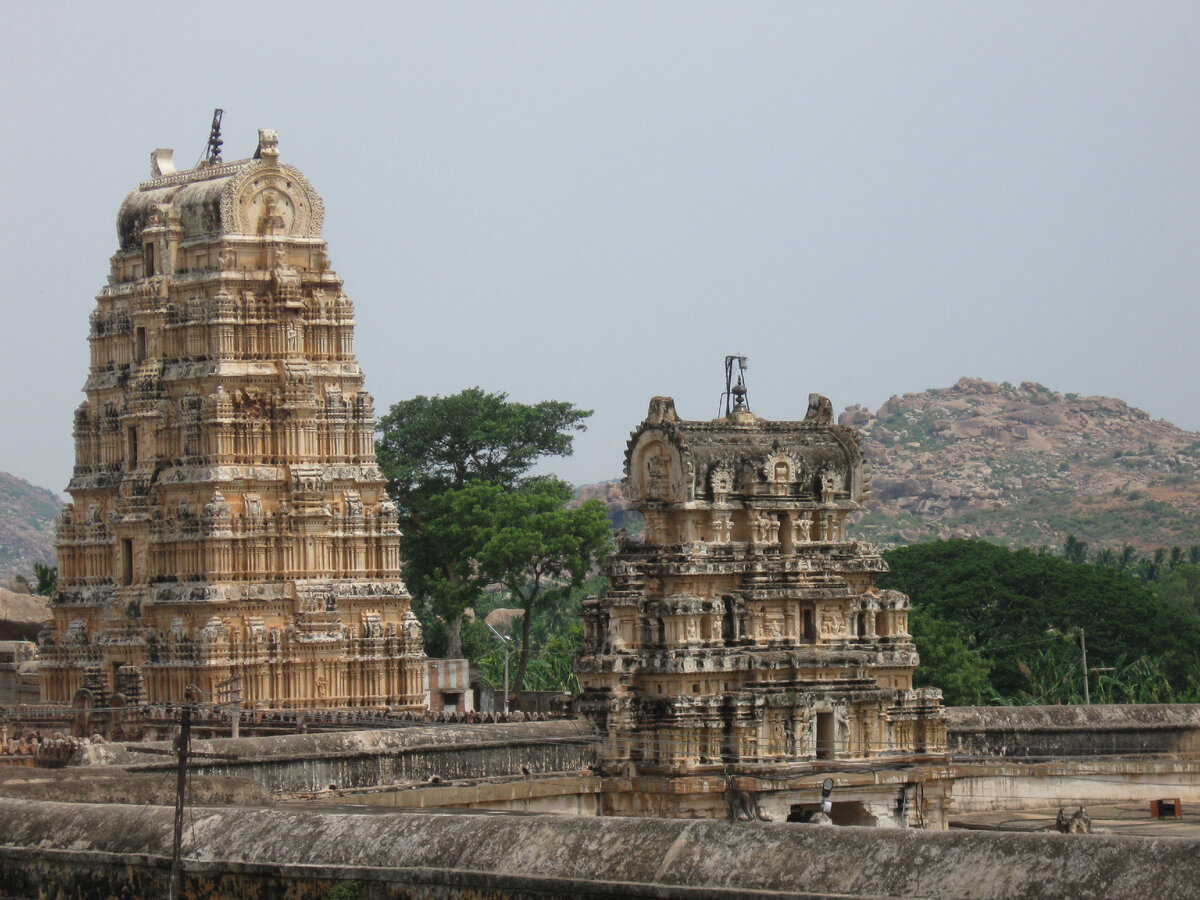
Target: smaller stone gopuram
[(745, 632)]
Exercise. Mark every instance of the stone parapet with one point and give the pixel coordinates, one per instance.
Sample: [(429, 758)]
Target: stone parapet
[(50, 848), (354, 760), (1067, 731)]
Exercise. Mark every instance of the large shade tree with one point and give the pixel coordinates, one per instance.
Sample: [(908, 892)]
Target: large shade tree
[(458, 468), (524, 539)]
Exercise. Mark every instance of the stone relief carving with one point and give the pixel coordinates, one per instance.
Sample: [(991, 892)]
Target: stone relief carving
[(722, 482), (722, 526)]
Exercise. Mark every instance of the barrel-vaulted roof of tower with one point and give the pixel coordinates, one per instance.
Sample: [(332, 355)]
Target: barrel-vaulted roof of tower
[(732, 454), (244, 197)]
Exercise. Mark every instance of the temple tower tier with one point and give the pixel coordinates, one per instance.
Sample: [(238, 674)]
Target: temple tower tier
[(229, 529), (744, 630)]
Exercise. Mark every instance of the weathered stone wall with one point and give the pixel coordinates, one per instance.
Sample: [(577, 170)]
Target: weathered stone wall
[(73, 785), (86, 851), (1056, 731), (993, 785), (305, 763)]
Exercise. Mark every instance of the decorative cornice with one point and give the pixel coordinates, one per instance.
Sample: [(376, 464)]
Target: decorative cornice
[(208, 173)]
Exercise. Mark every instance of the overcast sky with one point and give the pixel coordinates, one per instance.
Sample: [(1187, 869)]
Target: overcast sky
[(597, 202)]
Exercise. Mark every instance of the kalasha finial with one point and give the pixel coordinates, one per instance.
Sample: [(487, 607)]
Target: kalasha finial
[(213, 153), (734, 396)]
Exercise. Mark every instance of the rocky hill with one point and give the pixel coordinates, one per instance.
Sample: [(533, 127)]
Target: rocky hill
[(1026, 466), (26, 526), (1021, 466)]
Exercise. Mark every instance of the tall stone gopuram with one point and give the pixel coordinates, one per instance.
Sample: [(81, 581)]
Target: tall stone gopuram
[(228, 518), (744, 633)]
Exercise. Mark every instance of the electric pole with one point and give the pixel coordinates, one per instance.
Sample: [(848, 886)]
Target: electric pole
[(185, 733), (1087, 697)]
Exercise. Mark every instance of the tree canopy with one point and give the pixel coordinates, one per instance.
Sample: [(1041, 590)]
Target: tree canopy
[(429, 444), (46, 577), (524, 539), (1004, 623), (474, 518)]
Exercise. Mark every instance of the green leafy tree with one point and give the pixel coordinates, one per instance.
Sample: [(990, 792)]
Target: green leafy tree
[(431, 447), (1075, 550), (46, 578), (552, 669), (526, 540), (1021, 612), (947, 662), (429, 444), (1127, 559), (1181, 588)]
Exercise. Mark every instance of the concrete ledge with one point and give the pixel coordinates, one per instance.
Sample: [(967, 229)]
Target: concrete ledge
[(310, 763), (571, 794), (589, 857), (350, 743), (1107, 716), (1059, 731)]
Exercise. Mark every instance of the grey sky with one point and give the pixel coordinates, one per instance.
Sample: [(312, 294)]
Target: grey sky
[(597, 202)]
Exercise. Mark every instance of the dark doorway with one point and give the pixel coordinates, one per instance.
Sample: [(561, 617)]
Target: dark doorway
[(126, 561), (825, 735)]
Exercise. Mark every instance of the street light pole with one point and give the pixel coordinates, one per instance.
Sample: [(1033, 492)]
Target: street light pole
[(504, 642), (1087, 696)]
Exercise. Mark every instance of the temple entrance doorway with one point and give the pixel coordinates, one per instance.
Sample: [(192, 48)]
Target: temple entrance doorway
[(825, 735)]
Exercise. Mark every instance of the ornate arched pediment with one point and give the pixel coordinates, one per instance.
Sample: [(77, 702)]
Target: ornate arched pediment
[(781, 467), (657, 470), (720, 480), (268, 198)]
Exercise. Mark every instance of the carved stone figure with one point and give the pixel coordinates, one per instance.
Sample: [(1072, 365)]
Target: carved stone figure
[(802, 527), (658, 477), (829, 485), (771, 523), (722, 525), (820, 410)]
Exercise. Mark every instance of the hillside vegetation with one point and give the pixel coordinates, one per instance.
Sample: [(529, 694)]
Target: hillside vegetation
[(26, 526)]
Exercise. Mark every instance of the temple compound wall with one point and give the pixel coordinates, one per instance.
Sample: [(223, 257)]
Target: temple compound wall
[(371, 760), (745, 631), (97, 850), (1055, 732), (228, 519)]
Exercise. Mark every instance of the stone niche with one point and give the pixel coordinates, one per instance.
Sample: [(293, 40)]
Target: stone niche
[(743, 631), (229, 529)]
